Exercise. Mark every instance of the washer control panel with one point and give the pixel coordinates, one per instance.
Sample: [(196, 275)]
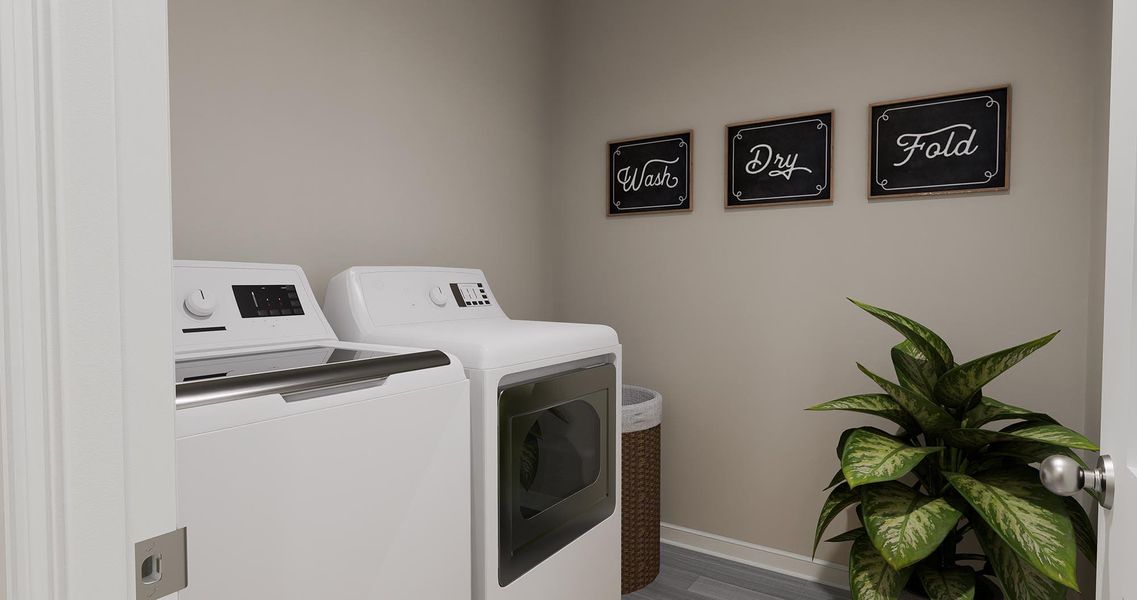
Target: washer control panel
[(256, 301), (222, 305)]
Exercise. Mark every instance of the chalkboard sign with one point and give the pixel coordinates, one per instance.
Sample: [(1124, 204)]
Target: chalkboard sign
[(650, 174), (945, 144), (784, 160)]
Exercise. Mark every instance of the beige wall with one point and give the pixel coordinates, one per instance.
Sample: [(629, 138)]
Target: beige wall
[(1102, 53), (346, 132), (739, 317)]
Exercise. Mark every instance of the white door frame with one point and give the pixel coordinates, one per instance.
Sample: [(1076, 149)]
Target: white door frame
[(1116, 527), (86, 396)]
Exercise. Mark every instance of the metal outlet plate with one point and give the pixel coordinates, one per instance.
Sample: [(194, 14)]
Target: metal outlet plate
[(160, 565)]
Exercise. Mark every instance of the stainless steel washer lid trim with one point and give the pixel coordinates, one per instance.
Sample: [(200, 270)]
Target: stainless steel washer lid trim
[(305, 379)]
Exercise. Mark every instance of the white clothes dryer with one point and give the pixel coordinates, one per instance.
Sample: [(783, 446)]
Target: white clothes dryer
[(309, 467), (545, 416)]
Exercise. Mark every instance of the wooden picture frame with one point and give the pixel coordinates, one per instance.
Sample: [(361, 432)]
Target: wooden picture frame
[(818, 188), (1000, 180), (652, 202)]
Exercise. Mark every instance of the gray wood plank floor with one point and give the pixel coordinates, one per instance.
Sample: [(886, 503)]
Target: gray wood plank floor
[(689, 575)]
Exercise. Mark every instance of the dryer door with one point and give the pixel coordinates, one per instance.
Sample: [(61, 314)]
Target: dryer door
[(556, 457)]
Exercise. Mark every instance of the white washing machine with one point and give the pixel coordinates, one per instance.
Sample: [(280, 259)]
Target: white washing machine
[(308, 467), (546, 427)]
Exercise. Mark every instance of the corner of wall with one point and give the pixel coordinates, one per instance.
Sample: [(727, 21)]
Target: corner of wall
[(1099, 150)]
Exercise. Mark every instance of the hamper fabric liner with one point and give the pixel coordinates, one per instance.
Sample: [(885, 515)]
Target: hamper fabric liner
[(641, 416), (641, 408)]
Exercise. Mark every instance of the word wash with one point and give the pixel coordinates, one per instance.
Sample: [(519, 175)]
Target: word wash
[(653, 173)]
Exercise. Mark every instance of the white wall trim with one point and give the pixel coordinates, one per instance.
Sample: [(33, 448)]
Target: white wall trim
[(86, 388), (30, 383), (771, 559)]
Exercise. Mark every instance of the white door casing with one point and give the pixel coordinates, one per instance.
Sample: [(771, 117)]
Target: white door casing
[(86, 409), (1118, 527)]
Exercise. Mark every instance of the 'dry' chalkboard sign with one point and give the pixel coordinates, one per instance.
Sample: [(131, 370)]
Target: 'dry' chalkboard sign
[(650, 174), (778, 161), (941, 144)]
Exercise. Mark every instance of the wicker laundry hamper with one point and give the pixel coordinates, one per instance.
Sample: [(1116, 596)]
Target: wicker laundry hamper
[(641, 417)]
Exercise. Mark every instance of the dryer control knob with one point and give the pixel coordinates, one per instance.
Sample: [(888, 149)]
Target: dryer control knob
[(437, 296), (200, 303)]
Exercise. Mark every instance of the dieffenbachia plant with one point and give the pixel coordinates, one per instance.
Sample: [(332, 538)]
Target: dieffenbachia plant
[(947, 473)]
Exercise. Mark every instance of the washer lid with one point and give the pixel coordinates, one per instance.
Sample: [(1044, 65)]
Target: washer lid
[(499, 342), (306, 370), (266, 360)]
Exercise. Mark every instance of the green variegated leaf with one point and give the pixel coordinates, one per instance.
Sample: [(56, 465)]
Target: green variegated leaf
[(871, 577), (869, 458), (839, 499), (848, 536), (913, 371), (905, 526), (975, 438), (1046, 433), (839, 477), (1019, 579), (1031, 520), (848, 432), (910, 349), (841, 441), (989, 410), (1051, 433), (985, 463), (1031, 452), (957, 583), (930, 416), (1084, 532), (880, 405), (934, 349), (957, 386)]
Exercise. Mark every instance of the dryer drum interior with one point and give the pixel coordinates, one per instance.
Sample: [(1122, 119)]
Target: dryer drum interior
[(556, 468)]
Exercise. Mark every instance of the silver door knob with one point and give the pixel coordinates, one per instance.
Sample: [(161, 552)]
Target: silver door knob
[(1063, 475)]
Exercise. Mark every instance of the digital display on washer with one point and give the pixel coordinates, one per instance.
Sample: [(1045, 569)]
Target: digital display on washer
[(262, 362), (267, 301), (470, 294)]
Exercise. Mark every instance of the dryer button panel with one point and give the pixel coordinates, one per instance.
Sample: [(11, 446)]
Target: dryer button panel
[(470, 294)]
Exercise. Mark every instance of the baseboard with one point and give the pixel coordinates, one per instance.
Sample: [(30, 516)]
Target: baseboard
[(771, 559)]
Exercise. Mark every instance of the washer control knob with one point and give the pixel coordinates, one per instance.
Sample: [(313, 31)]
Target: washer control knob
[(200, 303), (438, 296)]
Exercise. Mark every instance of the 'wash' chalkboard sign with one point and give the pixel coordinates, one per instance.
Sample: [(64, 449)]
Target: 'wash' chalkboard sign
[(784, 160), (945, 144), (650, 174)]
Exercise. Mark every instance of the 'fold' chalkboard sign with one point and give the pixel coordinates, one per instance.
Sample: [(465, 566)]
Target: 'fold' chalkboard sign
[(944, 144), (778, 161), (650, 174)]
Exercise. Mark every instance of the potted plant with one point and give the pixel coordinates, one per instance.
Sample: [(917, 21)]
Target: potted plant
[(947, 474)]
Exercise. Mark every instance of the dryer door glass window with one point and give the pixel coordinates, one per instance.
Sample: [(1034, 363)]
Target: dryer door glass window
[(556, 468), (559, 456)]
